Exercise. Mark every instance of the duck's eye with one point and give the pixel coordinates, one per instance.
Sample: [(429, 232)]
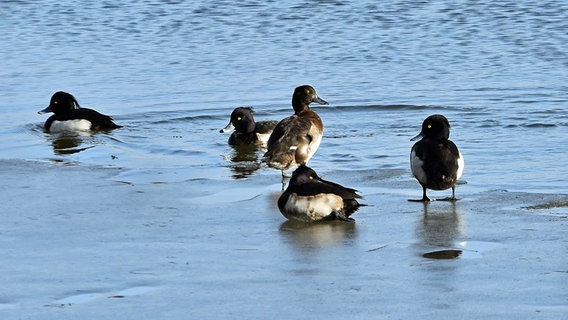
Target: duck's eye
[(55, 102), (239, 118), (308, 91), (429, 126), (311, 178)]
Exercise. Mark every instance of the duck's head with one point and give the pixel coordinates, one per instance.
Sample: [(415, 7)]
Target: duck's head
[(434, 127), (61, 102), (303, 174), (242, 120), (303, 96)]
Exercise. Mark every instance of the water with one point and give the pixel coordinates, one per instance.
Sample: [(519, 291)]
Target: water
[(172, 71)]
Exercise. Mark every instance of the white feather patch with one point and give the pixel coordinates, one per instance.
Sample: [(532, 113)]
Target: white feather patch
[(312, 207), (313, 147), (461, 165), (263, 137), (416, 168), (70, 125)]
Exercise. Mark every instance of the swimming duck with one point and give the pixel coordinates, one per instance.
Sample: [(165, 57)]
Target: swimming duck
[(436, 161), (309, 198), (247, 131), (69, 116), (296, 138)]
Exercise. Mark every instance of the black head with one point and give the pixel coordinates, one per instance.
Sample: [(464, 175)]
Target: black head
[(435, 127), (303, 96), (61, 102), (243, 120), (303, 174)]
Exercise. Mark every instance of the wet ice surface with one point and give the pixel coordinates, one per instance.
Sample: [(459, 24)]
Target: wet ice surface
[(170, 250)]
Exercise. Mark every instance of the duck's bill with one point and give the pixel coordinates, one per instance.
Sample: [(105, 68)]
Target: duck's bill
[(320, 101), (228, 128), (46, 110), (418, 137)]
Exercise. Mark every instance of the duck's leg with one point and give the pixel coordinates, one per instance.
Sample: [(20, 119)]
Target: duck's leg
[(284, 175), (424, 196), (283, 180), (453, 197)]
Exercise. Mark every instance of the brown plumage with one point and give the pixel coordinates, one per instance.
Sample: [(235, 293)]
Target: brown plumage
[(295, 139)]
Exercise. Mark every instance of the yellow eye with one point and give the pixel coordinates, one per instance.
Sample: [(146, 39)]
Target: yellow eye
[(308, 91), (238, 118), (429, 126), (311, 178), (55, 102)]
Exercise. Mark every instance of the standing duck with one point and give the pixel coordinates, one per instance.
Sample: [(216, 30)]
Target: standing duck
[(296, 138), (309, 198), (69, 116), (435, 160)]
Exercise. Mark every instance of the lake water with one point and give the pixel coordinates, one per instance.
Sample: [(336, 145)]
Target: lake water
[(171, 72)]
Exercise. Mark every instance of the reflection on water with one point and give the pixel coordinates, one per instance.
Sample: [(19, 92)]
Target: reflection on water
[(309, 237), (244, 161), (437, 231), (440, 226), (69, 143)]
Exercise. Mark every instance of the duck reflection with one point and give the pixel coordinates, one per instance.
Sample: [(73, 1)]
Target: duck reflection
[(68, 143), (438, 230), (309, 237), (441, 225), (244, 161)]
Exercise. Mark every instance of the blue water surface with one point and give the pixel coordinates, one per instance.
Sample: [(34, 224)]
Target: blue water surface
[(171, 72)]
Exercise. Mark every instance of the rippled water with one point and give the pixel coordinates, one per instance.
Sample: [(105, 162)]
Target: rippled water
[(172, 71)]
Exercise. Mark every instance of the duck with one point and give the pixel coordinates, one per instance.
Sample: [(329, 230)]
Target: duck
[(309, 198), (70, 116), (247, 131), (295, 139), (435, 160)]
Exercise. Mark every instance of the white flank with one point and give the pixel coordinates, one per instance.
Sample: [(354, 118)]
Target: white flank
[(416, 168), (70, 125), (312, 207), (461, 165), (263, 137), (313, 147)]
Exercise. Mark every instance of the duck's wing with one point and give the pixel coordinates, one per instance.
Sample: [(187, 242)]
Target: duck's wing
[(328, 192), (98, 120), (439, 162), (452, 147), (449, 155), (264, 127), (290, 134), (320, 186)]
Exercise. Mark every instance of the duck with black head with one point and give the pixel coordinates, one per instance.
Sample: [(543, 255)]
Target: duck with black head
[(310, 198), (435, 160), (248, 132), (295, 139), (69, 116)]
